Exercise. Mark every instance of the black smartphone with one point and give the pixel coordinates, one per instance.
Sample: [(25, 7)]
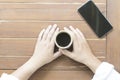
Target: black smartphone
[(94, 18)]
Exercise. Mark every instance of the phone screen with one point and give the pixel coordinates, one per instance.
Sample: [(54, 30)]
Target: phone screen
[(95, 19)]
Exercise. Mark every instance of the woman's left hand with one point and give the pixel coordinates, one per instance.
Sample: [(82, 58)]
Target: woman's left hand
[(44, 50)]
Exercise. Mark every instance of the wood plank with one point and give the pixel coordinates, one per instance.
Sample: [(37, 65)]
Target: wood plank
[(62, 75), (101, 6), (113, 39), (62, 63), (12, 62), (31, 29), (58, 75), (25, 47), (53, 12), (6, 71), (50, 1)]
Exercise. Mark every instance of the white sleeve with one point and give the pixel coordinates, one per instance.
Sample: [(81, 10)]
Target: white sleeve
[(106, 71), (7, 77)]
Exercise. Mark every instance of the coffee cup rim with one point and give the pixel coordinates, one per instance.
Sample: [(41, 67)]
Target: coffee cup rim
[(71, 41)]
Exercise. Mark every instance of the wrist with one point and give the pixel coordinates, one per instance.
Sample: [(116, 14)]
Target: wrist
[(93, 63), (34, 63), (27, 69)]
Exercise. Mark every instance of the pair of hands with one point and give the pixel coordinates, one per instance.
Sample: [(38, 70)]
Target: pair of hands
[(44, 50)]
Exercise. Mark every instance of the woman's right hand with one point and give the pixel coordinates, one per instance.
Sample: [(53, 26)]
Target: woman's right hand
[(81, 50)]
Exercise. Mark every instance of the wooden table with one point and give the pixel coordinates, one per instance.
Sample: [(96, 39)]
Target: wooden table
[(22, 20)]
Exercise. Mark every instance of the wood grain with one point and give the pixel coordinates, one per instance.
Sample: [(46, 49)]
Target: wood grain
[(6, 71), (50, 1), (64, 75), (58, 75), (61, 64), (25, 47), (22, 20), (53, 6), (113, 39), (31, 29), (53, 12)]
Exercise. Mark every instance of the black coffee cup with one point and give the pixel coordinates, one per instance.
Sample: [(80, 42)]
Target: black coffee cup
[(63, 40)]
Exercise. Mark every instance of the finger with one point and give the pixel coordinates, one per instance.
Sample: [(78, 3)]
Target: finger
[(53, 37), (66, 52), (46, 32), (82, 36), (57, 54), (67, 30), (41, 35), (80, 33), (76, 40), (74, 31), (83, 40), (49, 37)]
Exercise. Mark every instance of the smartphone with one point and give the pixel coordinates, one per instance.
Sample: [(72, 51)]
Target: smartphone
[(95, 19)]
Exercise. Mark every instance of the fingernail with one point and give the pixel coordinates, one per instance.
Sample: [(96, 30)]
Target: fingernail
[(43, 30), (70, 26), (57, 29), (49, 26), (65, 28), (60, 50), (77, 29), (55, 25)]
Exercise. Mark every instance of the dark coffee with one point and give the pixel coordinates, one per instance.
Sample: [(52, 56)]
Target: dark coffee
[(63, 39)]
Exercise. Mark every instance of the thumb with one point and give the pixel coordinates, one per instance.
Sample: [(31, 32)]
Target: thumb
[(66, 52), (57, 54)]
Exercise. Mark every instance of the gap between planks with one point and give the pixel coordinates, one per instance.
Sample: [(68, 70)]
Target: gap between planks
[(5, 21), (36, 38), (30, 56), (46, 3)]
